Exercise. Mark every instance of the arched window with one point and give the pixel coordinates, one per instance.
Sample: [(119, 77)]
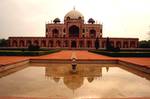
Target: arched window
[(14, 43), (103, 44), (81, 44), (92, 33), (50, 43), (65, 43), (74, 31), (28, 43), (43, 43), (112, 43), (89, 44), (36, 42), (125, 44), (55, 33), (21, 43), (68, 18), (64, 30), (79, 18), (132, 44), (58, 43), (118, 44)]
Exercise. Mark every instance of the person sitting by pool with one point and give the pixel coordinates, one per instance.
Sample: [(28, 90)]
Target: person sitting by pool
[(74, 64)]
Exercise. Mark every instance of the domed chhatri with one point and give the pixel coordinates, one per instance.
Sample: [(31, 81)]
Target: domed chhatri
[(91, 20), (56, 20), (74, 14)]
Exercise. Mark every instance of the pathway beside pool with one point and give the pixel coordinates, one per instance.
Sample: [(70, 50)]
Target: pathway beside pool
[(80, 55), (64, 98), (6, 60)]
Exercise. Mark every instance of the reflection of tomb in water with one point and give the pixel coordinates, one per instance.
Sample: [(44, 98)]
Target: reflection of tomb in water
[(56, 79), (73, 81), (90, 79)]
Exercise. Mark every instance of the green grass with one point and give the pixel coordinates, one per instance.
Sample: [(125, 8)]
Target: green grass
[(25, 53), (123, 53)]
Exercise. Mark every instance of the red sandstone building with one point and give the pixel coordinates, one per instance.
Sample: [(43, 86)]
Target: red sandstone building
[(73, 33)]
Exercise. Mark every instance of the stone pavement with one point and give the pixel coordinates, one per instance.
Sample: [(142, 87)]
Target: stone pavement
[(80, 55), (5, 60), (139, 61), (66, 98), (57, 55)]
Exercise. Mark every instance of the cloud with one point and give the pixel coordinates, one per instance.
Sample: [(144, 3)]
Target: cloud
[(121, 18)]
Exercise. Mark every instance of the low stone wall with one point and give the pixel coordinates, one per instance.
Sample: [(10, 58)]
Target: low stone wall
[(68, 61), (135, 66), (13, 65)]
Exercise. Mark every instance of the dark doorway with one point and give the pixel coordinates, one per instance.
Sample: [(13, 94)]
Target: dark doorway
[(74, 31), (73, 44)]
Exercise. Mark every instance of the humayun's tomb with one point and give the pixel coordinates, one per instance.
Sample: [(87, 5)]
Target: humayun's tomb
[(73, 33)]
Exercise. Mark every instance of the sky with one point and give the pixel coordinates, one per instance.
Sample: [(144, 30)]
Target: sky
[(120, 18)]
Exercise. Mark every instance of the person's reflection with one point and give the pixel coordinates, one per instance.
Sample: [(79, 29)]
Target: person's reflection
[(90, 79), (56, 79), (107, 68)]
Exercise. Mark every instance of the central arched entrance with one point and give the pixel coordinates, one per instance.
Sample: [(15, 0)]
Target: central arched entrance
[(74, 31), (73, 44)]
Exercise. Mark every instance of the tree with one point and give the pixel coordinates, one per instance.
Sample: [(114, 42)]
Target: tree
[(144, 44), (56, 20), (108, 45), (33, 47), (91, 20), (97, 43), (3, 43)]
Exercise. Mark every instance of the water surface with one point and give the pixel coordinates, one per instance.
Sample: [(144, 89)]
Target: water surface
[(90, 81)]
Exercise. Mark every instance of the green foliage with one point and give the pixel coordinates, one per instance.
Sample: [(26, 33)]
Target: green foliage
[(97, 43), (109, 47), (123, 53), (144, 44), (3, 43), (25, 53), (33, 47)]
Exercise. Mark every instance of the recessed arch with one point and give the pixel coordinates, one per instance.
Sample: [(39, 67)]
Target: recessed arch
[(28, 43), (92, 33), (73, 44), (55, 32), (14, 43), (73, 31), (21, 43)]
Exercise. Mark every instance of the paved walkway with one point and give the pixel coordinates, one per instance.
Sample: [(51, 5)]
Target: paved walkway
[(65, 98), (58, 55), (5, 60), (80, 55), (139, 61)]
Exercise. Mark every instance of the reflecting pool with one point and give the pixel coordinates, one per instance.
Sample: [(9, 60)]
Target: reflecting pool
[(90, 81)]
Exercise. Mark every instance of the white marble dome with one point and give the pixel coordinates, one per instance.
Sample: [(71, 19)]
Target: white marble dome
[(74, 14)]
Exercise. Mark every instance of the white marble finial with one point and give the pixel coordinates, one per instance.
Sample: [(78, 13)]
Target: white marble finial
[(74, 8)]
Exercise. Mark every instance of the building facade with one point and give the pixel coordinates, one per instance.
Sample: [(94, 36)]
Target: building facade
[(73, 33)]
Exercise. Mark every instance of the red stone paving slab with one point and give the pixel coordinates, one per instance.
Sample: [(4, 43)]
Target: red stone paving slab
[(89, 55), (65, 98), (139, 61), (58, 55), (13, 97), (81, 55), (4, 60)]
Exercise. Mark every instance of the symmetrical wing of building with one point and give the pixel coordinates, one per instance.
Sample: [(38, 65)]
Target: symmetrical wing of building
[(72, 33)]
